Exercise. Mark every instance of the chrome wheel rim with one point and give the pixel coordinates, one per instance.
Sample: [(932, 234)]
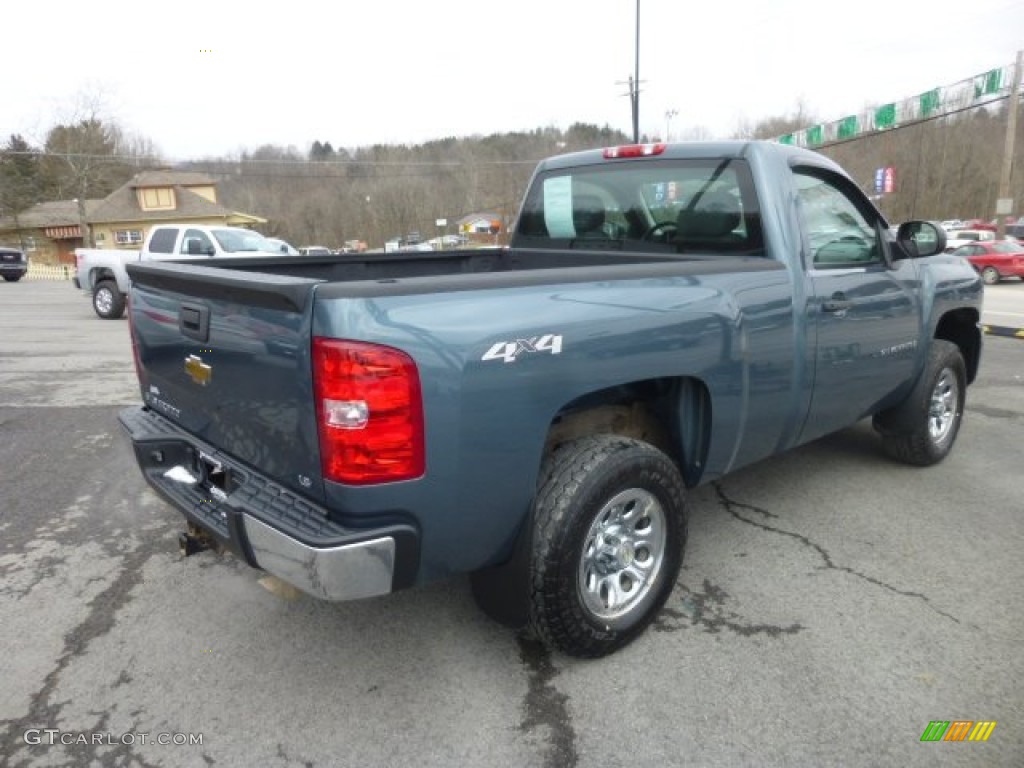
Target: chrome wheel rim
[(104, 300), (622, 555), (942, 409)]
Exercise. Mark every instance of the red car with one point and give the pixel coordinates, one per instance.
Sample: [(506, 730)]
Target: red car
[(994, 259)]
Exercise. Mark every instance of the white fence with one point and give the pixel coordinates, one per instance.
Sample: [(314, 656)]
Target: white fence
[(50, 272)]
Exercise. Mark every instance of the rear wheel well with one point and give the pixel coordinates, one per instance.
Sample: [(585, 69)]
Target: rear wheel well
[(99, 274), (961, 327), (672, 414)]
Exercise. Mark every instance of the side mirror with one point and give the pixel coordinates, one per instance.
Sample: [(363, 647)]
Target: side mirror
[(921, 238)]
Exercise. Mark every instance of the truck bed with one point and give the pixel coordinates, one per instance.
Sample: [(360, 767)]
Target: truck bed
[(404, 273)]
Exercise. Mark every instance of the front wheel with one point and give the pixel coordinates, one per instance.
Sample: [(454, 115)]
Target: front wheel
[(610, 527), (107, 300), (922, 429), (12, 278), (990, 275)]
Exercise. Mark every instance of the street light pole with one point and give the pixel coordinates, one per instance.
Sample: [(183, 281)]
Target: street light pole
[(669, 114)]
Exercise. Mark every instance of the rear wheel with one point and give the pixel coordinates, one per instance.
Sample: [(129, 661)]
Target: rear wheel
[(107, 300), (990, 275), (12, 278), (610, 526), (922, 429)]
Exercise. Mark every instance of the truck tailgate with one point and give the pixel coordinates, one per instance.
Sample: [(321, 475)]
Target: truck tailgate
[(225, 355)]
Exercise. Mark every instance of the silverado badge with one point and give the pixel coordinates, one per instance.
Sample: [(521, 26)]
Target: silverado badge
[(198, 371)]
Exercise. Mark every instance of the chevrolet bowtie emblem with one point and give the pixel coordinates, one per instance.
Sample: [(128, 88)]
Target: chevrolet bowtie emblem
[(198, 371)]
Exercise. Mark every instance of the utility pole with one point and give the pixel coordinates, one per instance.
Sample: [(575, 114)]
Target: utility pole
[(1004, 205), (636, 80)]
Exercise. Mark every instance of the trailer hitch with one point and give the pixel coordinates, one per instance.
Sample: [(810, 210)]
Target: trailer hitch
[(194, 539)]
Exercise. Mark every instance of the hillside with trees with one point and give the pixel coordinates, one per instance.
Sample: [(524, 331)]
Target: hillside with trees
[(326, 194)]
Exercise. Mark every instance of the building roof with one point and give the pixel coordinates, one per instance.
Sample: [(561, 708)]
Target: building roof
[(123, 205), (168, 178), (473, 217), (56, 213)]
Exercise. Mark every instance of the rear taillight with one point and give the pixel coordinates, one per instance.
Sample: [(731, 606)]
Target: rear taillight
[(369, 412), (633, 150)]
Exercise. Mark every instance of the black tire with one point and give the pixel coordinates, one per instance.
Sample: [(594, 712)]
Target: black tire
[(609, 532), (922, 429), (12, 278), (107, 300), (990, 276)]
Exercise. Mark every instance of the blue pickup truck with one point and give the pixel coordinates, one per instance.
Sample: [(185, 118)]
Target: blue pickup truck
[(534, 415)]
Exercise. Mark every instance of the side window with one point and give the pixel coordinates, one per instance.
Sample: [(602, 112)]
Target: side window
[(163, 240), (196, 243), (840, 235)]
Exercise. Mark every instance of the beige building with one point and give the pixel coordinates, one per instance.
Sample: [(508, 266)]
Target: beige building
[(50, 232)]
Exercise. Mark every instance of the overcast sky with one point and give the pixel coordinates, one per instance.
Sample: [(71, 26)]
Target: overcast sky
[(212, 78)]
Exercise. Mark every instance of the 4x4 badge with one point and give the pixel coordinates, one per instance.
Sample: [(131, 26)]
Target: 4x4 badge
[(198, 371)]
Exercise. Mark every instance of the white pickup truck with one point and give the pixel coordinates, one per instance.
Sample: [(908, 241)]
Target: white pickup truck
[(958, 237), (100, 272)]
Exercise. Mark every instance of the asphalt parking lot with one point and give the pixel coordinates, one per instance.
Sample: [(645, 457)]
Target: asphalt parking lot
[(831, 605)]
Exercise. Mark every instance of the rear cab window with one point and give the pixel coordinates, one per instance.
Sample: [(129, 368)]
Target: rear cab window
[(704, 206), (163, 240)]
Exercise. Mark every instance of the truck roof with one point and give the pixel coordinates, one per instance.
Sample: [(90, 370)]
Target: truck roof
[(697, 149)]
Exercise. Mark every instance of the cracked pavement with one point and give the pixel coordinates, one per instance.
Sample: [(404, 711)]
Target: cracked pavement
[(831, 604)]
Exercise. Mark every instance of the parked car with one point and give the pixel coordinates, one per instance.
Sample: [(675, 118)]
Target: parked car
[(964, 236), (13, 264), (286, 248), (315, 250), (994, 260), (950, 224)]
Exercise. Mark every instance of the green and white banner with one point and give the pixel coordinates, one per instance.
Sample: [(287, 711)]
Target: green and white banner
[(973, 92)]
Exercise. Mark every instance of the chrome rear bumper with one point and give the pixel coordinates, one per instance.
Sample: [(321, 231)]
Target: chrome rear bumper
[(270, 526), (347, 572)]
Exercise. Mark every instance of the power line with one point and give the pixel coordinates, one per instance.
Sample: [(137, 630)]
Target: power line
[(280, 161)]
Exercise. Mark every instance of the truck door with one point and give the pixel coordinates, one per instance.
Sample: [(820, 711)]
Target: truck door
[(863, 311)]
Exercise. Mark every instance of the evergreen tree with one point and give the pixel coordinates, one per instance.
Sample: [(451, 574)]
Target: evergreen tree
[(20, 183)]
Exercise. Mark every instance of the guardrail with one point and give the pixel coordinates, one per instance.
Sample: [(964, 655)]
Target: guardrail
[(50, 272)]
